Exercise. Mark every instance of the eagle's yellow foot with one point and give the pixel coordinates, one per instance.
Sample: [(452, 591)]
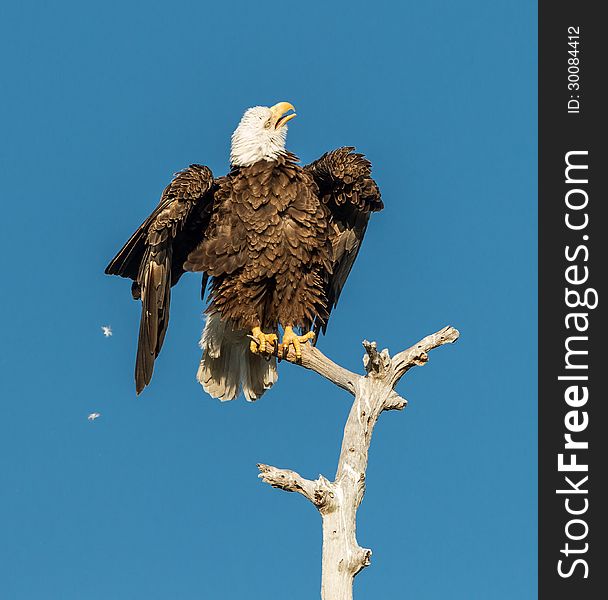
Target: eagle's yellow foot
[(263, 342), (290, 338)]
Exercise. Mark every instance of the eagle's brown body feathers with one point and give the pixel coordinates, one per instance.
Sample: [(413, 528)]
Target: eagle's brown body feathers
[(267, 247), (278, 241)]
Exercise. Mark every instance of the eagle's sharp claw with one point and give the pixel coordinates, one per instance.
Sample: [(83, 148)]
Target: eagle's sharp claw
[(262, 343), (290, 338)]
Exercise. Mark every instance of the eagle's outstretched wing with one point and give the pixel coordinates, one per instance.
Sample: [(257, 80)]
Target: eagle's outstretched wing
[(345, 184), (154, 257)]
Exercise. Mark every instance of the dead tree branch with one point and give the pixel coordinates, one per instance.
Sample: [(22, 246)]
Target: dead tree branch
[(338, 500)]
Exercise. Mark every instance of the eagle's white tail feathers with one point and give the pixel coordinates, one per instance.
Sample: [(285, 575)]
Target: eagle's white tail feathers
[(228, 366)]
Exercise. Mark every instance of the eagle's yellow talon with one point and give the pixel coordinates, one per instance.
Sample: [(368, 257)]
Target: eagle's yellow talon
[(292, 339), (263, 343)]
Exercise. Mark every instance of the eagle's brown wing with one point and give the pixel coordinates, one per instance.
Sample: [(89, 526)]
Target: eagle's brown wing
[(154, 257), (345, 184)]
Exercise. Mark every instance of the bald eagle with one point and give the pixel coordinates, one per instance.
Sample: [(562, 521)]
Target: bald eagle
[(275, 240)]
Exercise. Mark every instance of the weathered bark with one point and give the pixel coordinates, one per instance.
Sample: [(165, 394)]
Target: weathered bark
[(338, 500)]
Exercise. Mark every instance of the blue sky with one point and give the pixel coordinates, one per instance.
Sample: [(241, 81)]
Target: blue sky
[(159, 498)]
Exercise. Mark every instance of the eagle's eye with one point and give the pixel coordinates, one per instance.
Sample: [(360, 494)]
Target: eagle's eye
[(267, 124)]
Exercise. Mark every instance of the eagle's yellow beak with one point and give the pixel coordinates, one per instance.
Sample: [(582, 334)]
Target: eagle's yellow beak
[(278, 110)]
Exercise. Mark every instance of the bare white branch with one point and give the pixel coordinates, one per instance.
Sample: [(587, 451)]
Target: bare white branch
[(314, 360), (319, 492), (417, 355), (339, 500)]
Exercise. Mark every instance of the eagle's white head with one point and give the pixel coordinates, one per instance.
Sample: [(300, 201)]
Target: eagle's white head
[(261, 134)]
